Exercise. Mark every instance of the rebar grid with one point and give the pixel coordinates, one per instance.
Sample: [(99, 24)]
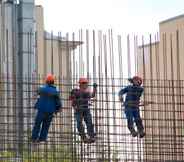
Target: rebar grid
[(163, 125)]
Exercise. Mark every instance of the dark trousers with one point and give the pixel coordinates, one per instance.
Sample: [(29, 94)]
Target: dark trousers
[(41, 126), (133, 115), (86, 115)]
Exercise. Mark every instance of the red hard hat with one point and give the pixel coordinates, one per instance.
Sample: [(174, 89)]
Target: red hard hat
[(83, 80), (137, 78), (49, 79)]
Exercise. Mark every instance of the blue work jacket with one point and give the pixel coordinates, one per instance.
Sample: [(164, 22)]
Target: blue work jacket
[(48, 100), (133, 94)]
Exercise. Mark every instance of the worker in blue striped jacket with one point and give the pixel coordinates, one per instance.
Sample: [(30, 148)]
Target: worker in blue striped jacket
[(132, 102)]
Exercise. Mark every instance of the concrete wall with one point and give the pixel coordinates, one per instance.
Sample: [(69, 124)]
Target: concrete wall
[(163, 63), (172, 34)]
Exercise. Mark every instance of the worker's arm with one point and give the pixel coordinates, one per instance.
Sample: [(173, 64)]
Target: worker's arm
[(59, 103), (94, 90), (122, 92), (73, 97)]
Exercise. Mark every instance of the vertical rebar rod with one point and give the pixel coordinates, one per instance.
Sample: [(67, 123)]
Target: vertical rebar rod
[(106, 95), (173, 100), (135, 54), (144, 83), (158, 91), (128, 56), (52, 53), (166, 89), (87, 53), (45, 52), (7, 75), (74, 80), (179, 91), (150, 89), (111, 50), (101, 155)]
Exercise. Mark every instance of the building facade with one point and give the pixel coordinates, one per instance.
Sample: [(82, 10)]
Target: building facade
[(28, 54), (160, 64)]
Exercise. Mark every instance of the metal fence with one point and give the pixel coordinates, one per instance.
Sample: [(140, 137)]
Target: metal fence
[(163, 122)]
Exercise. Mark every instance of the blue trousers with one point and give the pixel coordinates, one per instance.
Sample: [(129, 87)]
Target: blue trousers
[(86, 115), (41, 126), (133, 115)]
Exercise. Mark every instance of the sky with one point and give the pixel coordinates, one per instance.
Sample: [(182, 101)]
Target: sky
[(128, 16)]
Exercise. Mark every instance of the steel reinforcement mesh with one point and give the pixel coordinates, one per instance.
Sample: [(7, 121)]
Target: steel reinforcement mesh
[(162, 119)]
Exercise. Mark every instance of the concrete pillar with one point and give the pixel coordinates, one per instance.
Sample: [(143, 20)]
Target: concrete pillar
[(25, 67), (26, 38)]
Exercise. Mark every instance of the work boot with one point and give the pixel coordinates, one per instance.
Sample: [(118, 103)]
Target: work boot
[(95, 134), (34, 141), (142, 134), (91, 140), (84, 139), (131, 128), (134, 133), (42, 140)]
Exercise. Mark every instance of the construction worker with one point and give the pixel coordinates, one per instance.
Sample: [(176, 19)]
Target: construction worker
[(81, 98), (48, 104), (132, 102)]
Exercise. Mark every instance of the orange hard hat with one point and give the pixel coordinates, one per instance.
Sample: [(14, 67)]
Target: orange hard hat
[(49, 79), (137, 78), (83, 80)]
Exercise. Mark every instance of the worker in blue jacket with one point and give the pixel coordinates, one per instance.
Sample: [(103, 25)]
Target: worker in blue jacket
[(132, 102), (47, 105)]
